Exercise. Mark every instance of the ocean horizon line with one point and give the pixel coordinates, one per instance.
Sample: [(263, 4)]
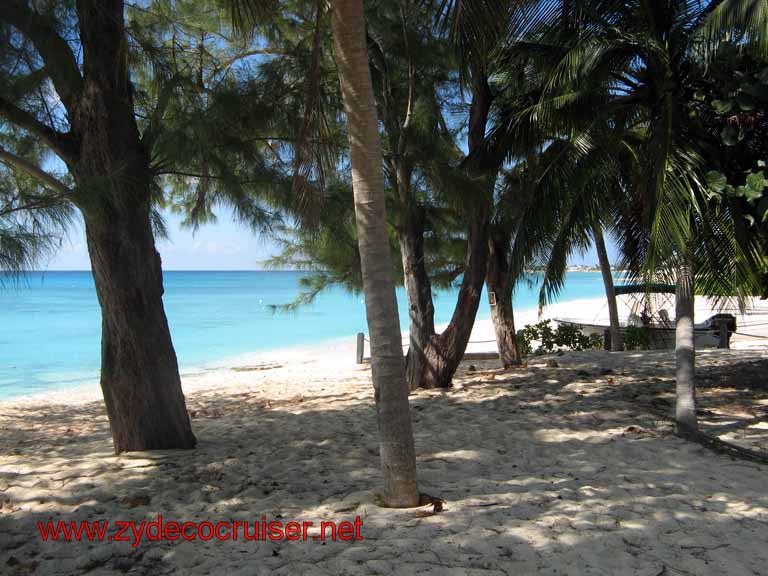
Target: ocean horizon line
[(22, 272), (573, 269), (53, 320)]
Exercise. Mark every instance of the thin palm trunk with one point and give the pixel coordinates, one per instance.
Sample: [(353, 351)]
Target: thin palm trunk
[(500, 284), (617, 341), (398, 456), (685, 352)]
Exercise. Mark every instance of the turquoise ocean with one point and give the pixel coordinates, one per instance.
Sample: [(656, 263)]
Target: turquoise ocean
[(50, 322)]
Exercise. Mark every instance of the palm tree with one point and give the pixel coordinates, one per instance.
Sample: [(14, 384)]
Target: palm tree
[(398, 458), (397, 452), (685, 350), (627, 69), (557, 202), (421, 163), (617, 341), (433, 195), (501, 283)]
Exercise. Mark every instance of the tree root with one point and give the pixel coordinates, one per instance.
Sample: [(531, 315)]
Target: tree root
[(727, 448), (715, 444)]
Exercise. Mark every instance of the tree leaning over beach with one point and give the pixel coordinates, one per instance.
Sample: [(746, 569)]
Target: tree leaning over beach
[(107, 108), (111, 182)]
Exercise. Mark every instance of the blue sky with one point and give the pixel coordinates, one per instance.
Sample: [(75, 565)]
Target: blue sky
[(224, 245)]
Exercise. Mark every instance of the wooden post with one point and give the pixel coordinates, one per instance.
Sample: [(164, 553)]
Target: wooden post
[(723, 327), (360, 347)]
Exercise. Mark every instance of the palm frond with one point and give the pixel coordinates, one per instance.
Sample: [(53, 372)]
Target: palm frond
[(736, 21)]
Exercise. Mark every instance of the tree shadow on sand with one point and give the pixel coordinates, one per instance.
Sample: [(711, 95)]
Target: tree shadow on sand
[(544, 470)]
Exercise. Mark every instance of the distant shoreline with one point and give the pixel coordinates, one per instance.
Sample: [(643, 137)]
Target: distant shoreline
[(57, 270), (592, 269), (340, 348), (337, 351)]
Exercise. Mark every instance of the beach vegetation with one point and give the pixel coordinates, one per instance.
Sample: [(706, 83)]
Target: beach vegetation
[(549, 339), (637, 338), (108, 112), (450, 143)]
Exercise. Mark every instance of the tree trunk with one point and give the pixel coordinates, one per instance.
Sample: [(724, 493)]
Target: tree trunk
[(685, 352), (432, 358), (139, 373), (500, 285), (418, 289), (432, 361), (444, 351), (398, 456), (617, 341)]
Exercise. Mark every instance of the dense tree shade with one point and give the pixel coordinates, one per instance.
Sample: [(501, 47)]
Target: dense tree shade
[(471, 140)]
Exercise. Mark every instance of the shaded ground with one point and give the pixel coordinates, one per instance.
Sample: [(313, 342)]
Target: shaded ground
[(545, 470), (732, 399)]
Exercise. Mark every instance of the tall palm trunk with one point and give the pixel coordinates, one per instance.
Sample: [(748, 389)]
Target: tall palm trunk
[(139, 372), (500, 285), (685, 352), (398, 456), (617, 341)]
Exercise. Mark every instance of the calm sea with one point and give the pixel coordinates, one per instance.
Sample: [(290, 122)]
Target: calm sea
[(50, 322)]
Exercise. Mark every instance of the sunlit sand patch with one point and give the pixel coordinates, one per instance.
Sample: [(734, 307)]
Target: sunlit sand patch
[(539, 467)]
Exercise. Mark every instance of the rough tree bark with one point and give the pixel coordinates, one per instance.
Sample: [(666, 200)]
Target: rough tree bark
[(444, 351), (398, 459), (500, 284), (617, 340), (104, 153), (432, 358), (139, 372), (685, 352), (418, 289)]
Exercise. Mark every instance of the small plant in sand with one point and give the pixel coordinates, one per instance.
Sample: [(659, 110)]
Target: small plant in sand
[(637, 338), (564, 337)]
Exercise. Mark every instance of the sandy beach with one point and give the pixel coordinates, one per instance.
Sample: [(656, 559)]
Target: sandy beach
[(565, 466)]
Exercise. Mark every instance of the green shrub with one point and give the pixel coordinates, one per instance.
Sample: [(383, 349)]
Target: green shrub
[(565, 337), (637, 338), (543, 332), (523, 343)]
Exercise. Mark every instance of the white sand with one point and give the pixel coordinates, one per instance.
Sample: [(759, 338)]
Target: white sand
[(545, 470)]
